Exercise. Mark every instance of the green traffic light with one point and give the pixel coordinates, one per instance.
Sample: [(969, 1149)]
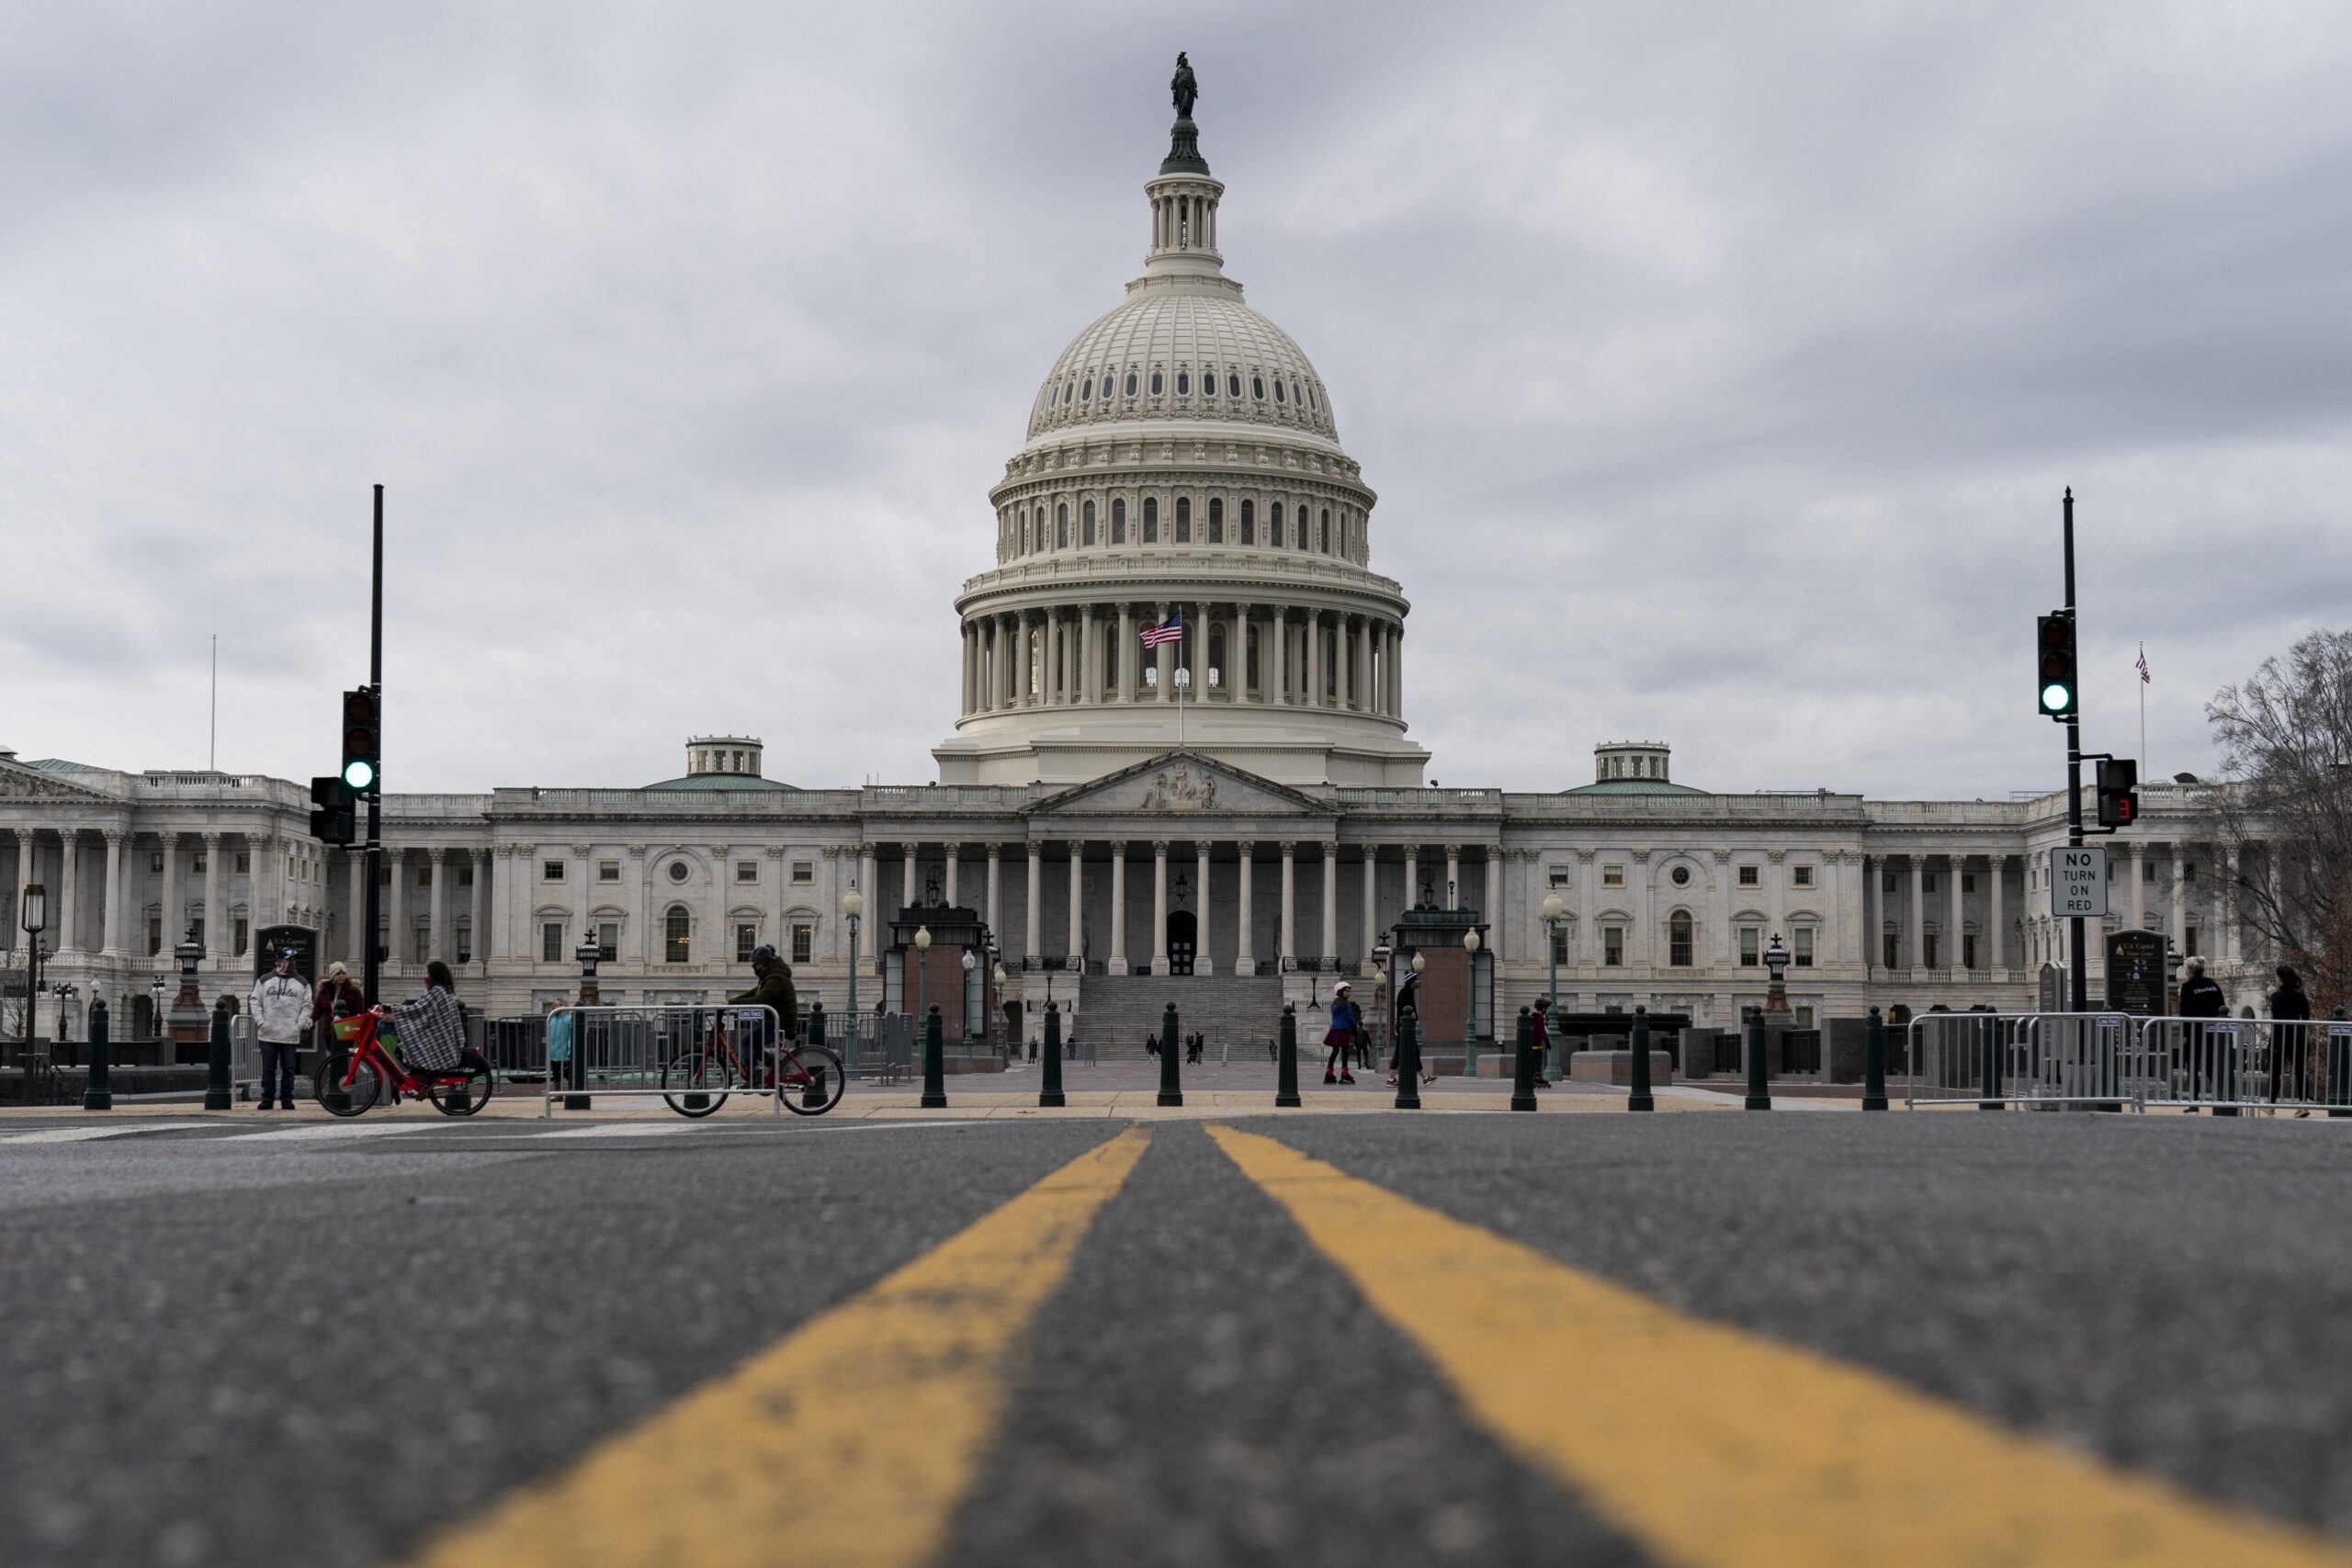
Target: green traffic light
[(2057, 698), (359, 773)]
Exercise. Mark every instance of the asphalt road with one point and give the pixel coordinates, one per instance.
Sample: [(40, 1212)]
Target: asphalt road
[(225, 1349)]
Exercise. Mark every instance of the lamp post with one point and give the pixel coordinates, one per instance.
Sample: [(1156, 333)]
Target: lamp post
[(923, 947), (853, 906), (36, 921), (156, 1006), (971, 962), (590, 953), (65, 995), (1470, 1023), (1776, 966), (996, 970)]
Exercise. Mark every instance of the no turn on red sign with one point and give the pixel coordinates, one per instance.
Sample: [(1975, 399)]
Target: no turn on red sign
[(2078, 881)]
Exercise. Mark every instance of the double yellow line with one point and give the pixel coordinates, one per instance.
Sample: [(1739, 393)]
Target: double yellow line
[(854, 1439)]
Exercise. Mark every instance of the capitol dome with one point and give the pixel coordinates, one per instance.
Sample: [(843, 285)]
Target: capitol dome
[(1181, 470)]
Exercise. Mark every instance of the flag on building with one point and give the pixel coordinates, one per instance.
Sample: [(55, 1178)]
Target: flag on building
[(1170, 630), (2143, 664)]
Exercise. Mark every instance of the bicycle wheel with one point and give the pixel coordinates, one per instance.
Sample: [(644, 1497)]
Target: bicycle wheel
[(462, 1096), (359, 1094), (812, 1080), (696, 1084)]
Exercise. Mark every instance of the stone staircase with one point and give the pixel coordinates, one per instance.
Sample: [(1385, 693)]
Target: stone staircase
[(1116, 1011)]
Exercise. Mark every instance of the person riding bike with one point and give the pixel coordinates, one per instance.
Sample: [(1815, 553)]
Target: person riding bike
[(774, 990)]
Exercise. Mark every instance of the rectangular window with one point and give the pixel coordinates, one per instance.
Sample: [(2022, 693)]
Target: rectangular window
[(155, 935), (552, 871), (1891, 951), (1803, 1016), (424, 876), (466, 877), (244, 862), (423, 945), (384, 875), (1559, 944), (747, 937), (551, 941), (1558, 876), (608, 871), (1613, 946), (1802, 958), (1927, 882), (608, 937), (1929, 952), (1968, 882), (1751, 950), (2188, 872), (2147, 871), (1748, 875), (804, 872), (1804, 875), (1886, 882), (804, 942), (155, 863), (1968, 950), (2188, 941), (747, 871), (465, 942), (1612, 876), (196, 926), (1678, 944), (200, 860), (244, 936)]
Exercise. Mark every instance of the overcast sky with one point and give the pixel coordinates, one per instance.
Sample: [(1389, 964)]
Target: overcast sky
[(1719, 367)]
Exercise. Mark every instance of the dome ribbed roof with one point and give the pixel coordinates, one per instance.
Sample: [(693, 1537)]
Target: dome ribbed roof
[(1183, 337)]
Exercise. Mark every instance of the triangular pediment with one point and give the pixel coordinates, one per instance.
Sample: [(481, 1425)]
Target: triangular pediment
[(1181, 784), (18, 781)]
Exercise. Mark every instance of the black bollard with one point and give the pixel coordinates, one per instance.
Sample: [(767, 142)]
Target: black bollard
[(1049, 1083), (1171, 1046), (814, 1093), (1408, 1063), (1286, 1073), (2339, 1070), (1641, 1098), (1874, 1064), (1989, 1041), (217, 1096), (934, 1068), (1522, 1065), (97, 1096), (576, 1069), (1759, 1083)]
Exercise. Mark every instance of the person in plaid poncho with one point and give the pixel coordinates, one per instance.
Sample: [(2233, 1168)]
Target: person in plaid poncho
[(431, 1029)]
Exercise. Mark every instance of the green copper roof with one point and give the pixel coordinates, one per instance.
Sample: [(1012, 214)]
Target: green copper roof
[(1633, 787), (723, 781)]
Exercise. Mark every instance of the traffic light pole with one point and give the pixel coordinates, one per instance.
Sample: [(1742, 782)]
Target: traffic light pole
[(376, 787), (2077, 976)]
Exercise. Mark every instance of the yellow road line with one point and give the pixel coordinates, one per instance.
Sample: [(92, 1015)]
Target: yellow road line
[(850, 1441), (1719, 1449)]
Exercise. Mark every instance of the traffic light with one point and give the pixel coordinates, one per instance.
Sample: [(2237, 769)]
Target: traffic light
[(334, 811), (2119, 804), (2054, 654), (362, 741)]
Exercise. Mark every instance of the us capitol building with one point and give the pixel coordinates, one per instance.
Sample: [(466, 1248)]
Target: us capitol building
[(1244, 810)]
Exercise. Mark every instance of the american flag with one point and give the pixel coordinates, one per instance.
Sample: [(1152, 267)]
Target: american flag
[(2143, 664), (1170, 630)]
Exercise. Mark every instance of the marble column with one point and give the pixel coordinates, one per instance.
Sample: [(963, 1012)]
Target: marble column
[(1342, 688), (1277, 679), (1367, 686), (1996, 916), (217, 931), (1202, 962), (1288, 952), (948, 892), (1371, 903), (1330, 900), (1915, 940), (1956, 948), (1244, 962), (995, 859), (435, 942), (1033, 941), (1454, 876), (477, 939), (1164, 664), (1159, 903), (1313, 658), (1118, 962), (68, 937), (1127, 655), (111, 943), (910, 891), (2225, 904), (395, 860), (1412, 876), (1494, 909), (1090, 654), (1077, 906)]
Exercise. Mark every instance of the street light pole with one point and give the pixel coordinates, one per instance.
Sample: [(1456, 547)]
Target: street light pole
[(35, 920), (1554, 910), (853, 906)]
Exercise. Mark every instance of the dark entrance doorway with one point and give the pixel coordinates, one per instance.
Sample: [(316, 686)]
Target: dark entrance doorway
[(1183, 933)]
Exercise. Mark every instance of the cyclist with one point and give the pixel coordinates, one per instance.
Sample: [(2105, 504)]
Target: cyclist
[(774, 990), (431, 1029)]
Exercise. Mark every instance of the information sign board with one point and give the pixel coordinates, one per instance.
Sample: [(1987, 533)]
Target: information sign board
[(2135, 973), (2078, 881)]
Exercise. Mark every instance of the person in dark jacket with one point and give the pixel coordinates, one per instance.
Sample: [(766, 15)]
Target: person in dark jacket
[(2200, 997), (774, 990), (2289, 1041)]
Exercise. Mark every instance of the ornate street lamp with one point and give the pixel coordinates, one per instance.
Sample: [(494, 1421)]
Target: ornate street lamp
[(987, 1039), (923, 947), (65, 995), (1554, 912), (34, 921), (853, 906), (155, 1006), (1776, 966)]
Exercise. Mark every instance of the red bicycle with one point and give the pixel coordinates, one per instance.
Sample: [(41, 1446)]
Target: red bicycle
[(363, 1068)]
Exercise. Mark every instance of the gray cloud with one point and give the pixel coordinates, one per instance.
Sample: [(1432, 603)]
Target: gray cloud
[(1719, 368)]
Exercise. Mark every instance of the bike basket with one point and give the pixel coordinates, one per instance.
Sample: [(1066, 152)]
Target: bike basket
[(350, 1028)]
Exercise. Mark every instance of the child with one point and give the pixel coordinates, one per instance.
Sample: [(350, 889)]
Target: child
[(1346, 1022)]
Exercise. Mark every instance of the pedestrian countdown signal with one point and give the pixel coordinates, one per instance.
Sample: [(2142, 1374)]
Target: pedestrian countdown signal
[(362, 743), (2119, 800), (2055, 663)]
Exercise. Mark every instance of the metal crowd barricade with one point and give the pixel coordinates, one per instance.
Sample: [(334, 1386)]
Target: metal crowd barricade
[(641, 1052), (2244, 1064), (2033, 1059), (515, 1048)]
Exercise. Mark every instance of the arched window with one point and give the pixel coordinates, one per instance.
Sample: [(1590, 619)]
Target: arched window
[(1061, 526), (1677, 940), (1311, 404), (1305, 530), (1131, 383), (1118, 520), (1233, 382), (1069, 389), (1086, 524), (1248, 521), (1256, 388), (1183, 519), (1274, 525), (1326, 530), (1208, 382), (1086, 391), (1278, 389), (1151, 520), (1155, 383), (1294, 397), (1216, 520), (674, 926), (1184, 383)]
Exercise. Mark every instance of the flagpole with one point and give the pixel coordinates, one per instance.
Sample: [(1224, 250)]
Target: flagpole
[(2144, 705)]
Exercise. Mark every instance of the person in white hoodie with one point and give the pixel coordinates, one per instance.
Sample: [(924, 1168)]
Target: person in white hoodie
[(280, 1005)]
